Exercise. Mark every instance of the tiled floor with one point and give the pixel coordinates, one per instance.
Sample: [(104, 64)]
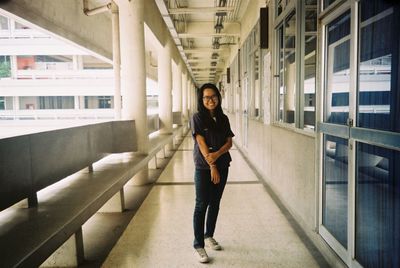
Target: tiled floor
[(251, 228)]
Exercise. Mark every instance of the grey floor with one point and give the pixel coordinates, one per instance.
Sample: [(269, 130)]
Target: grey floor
[(253, 230)]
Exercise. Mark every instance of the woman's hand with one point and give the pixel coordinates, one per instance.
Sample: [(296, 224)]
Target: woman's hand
[(215, 177), (211, 158)]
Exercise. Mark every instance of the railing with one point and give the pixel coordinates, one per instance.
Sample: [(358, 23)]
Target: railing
[(32, 162), (65, 74)]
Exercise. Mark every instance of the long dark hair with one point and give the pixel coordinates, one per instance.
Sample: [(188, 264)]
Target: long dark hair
[(204, 112)]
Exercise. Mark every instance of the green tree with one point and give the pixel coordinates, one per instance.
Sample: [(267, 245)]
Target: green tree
[(5, 69)]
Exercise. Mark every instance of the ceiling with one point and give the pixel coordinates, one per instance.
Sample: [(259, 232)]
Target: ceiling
[(204, 31)]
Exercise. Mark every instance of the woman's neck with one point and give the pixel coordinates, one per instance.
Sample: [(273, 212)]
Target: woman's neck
[(212, 113)]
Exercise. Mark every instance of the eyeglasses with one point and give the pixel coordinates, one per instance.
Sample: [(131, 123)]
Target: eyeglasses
[(214, 98)]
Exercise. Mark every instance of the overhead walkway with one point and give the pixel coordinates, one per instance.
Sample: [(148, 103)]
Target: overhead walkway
[(254, 230)]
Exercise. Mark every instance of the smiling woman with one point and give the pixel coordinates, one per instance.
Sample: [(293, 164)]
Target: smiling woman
[(213, 139)]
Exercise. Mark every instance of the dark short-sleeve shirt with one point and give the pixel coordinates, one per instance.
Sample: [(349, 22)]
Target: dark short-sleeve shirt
[(215, 139)]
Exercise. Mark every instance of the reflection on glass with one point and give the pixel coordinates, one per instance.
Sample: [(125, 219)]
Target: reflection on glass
[(3, 23), (334, 213), (377, 206), (377, 93), (287, 69), (327, 3), (257, 93), (281, 72), (338, 70), (310, 45)]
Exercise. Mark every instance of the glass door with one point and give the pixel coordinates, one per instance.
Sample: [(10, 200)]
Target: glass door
[(360, 131), (335, 129), (376, 135)]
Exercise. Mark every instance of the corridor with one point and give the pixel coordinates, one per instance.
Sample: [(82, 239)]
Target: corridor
[(253, 229)]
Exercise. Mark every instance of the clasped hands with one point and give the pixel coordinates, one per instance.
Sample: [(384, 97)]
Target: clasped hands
[(211, 158)]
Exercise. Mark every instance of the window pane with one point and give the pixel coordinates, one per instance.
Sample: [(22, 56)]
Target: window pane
[(310, 47), (334, 216), (281, 73), (3, 23), (287, 69), (5, 66), (377, 206), (279, 6), (256, 100), (327, 3), (338, 70), (378, 99), (2, 103), (99, 102)]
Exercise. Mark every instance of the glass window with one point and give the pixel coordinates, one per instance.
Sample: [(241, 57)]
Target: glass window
[(5, 66), (287, 69), (378, 99), (377, 206), (279, 6), (327, 3), (20, 26), (4, 23), (99, 102), (2, 103), (256, 84), (334, 216), (56, 102), (338, 70), (54, 62), (310, 47)]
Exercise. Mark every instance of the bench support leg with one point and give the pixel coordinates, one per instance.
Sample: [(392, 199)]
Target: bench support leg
[(141, 178), (70, 254), (32, 200), (161, 153), (90, 168), (153, 163), (115, 204), (169, 148)]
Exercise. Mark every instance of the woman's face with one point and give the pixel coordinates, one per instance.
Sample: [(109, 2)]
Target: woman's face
[(210, 99)]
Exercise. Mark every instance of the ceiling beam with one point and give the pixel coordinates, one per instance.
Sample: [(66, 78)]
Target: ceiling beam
[(206, 35), (199, 10)]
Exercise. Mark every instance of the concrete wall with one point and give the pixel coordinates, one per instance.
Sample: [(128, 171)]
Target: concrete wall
[(285, 157)]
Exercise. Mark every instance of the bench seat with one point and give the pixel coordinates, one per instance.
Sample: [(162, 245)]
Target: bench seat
[(28, 236)]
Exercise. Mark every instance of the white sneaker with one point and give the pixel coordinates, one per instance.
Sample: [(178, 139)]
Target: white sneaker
[(210, 242), (202, 255)]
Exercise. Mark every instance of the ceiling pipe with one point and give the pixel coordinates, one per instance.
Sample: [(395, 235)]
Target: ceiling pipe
[(96, 10), (111, 6)]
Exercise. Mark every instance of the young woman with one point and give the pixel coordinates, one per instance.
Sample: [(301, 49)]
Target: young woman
[(212, 140)]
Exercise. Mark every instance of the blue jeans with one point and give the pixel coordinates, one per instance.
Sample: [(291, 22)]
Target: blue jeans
[(208, 196)]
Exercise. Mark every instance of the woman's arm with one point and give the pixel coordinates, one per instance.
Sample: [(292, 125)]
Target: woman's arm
[(212, 157), (201, 141)]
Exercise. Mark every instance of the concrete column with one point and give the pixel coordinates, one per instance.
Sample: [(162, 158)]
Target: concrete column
[(189, 97), (116, 61), (194, 100), (76, 102), (184, 97), (82, 102), (133, 68), (14, 67), (178, 88), (165, 88)]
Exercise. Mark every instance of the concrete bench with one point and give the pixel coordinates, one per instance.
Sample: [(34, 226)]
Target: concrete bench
[(52, 222)]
